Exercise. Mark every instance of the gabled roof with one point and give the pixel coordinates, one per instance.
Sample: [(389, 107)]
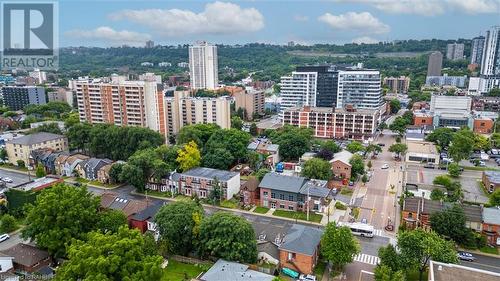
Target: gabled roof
[(251, 184), (94, 162), (491, 215), (281, 182), (26, 255), (35, 138), (344, 156), (210, 173), (315, 188), (302, 239), (147, 213)]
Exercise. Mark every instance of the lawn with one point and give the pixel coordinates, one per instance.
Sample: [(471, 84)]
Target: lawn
[(489, 250), (230, 204), (159, 193), (480, 168), (261, 210), (340, 206), (177, 271), (298, 215), (98, 183), (346, 191)]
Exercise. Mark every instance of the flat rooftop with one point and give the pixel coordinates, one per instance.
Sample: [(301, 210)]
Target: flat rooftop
[(421, 147), (452, 272), (38, 184)]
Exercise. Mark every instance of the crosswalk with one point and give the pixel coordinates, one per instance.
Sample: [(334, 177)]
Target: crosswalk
[(378, 232), (369, 259)]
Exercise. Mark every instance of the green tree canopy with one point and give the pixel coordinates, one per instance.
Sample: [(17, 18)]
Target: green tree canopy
[(317, 168), (357, 166), (232, 140), (293, 141), (417, 247), (199, 133), (450, 223), (395, 106), (462, 145), (227, 236), (60, 214), (355, 146), (236, 123), (399, 125), (338, 245), (454, 170), (177, 224), (441, 136), (398, 148), (111, 221), (495, 198), (111, 256)]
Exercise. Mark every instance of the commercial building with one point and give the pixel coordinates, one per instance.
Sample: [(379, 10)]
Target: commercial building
[(182, 109), (435, 64), (299, 89), (451, 111), (252, 101), (203, 66), (326, 85), (21, 148), (482, 103), (359, 88), (342, 123), (119, 102), (455, 51), (398, 85), (422, 152), (477, 50), (61, 95), (445, 80), (17, 97)]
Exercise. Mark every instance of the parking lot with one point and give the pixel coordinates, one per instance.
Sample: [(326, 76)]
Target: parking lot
[(468, 179)]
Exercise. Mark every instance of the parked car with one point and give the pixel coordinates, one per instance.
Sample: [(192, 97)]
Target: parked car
[(385, 166), (9, 180), (4, 237), (381, 144), (307, 277), (465, 256), (429, 166)]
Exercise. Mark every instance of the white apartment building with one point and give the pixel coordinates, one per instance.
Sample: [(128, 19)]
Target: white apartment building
[(360, 88), (183, 109), (490, 64), (299, 89), (203, 66)]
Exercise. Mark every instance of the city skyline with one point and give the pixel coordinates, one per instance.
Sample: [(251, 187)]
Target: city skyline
[(115, 23)]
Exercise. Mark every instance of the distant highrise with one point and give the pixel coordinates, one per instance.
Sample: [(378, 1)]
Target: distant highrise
[(399, 85), (455, 51), (359, 88), (150, 44), (17, 97), (490, 64), (203, 66), (326, 86), (299, 89), (435, 64), (477, 50)]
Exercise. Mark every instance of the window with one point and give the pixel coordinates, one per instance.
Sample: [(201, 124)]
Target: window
[(290, 208), (265, 193), (291, 256), (290, 197), (282, 196), (273, 195), (410, 215), (282, 206)]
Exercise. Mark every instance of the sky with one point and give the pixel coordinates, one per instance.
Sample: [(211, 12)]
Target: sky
[(115, 22)]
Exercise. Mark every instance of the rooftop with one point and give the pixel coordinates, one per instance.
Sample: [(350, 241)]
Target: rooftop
[(343, 156), (451, 272), (232, 271), (316, 188), (421, 147), (35, 138), (472, 213), (302, 239), (282, 182), (493, 176), (210, 173), (38, 184), (147, 213), (491, 215), (26, 254)]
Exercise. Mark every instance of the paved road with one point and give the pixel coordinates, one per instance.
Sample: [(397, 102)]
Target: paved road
[(484, 263), (17, 178), (14, 240)]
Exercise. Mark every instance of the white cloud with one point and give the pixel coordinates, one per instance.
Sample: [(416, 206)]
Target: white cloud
[(362, 22), (108, 34), (476, 6), (300, 18), (431, 7), (216, 18), (365, 40)]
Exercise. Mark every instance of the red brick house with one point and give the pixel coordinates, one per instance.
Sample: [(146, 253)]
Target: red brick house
[(250, 193), (299, 249), (27, 258), (491, 180), (491, 225), (341, 168), (140, 219)]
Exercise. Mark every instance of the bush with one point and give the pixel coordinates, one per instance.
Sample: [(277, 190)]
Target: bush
[(7, 223), (21, 163), (340, 206)]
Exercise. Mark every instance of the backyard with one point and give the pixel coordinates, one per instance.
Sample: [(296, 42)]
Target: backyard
[(298, 215), (177, 271)]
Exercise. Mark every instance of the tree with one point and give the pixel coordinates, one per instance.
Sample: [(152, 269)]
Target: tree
[(253, 159), (227, 236), (357, 166), (47, 128), (395, 106), (399, 125), (232, 140), (390, 257), (3, 154), (325, 154), (293, 141), (317, 168), (176, 222), (417, 247), (495, 139), (261, 173), (199, 133), (20, 163), (338, 245), (398, 148), (481, 142), (216, 192), (330, 146), (7, 223), (115, 172), (189, 156), (40, 171), (111, 221), (364, 178), (441, 136), (142, 166), (236, 123), (437, 194), (355, 146), (454, 170), (495, 198), (369, 165), (253, 129), (219, 158), (373, 148), (462, 145), (443, 180), (111, 256), (450, 223), (60, 214), (384, 273)]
